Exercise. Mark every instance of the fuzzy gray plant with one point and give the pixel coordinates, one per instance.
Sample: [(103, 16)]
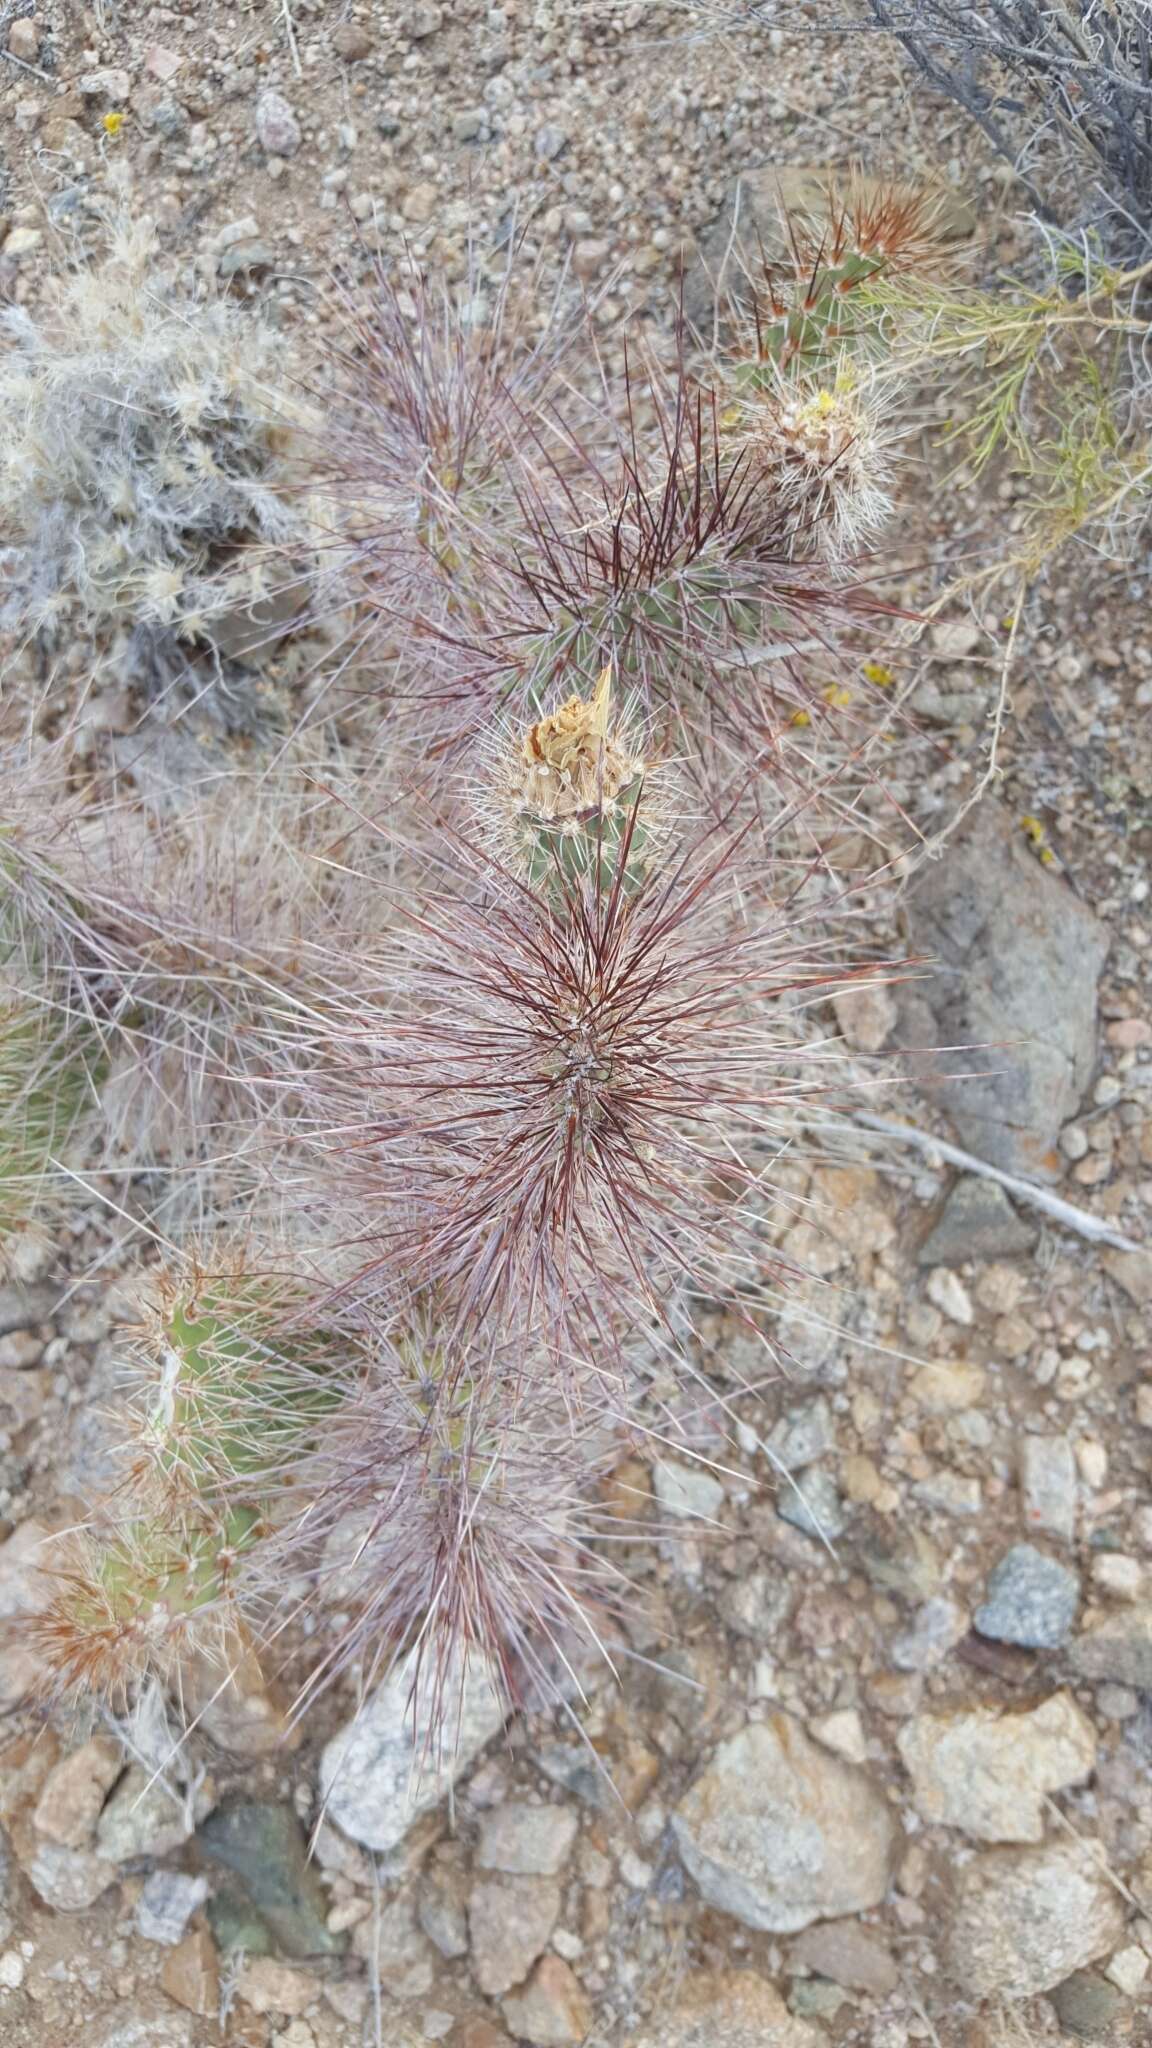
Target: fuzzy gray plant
[(145, 452)]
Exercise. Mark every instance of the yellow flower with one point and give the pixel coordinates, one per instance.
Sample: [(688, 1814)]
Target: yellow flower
[(113, 123), (800, 718), (876, 672), (836, 695)]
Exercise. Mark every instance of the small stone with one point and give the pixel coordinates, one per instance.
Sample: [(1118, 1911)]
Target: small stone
[(1117, 1702), (383, 1769), (1025, 1919), (550, 142), (351, 42), (392, 1945), (527, 1841), (191, 1975), (757, 1604), (162, 63), (976, 1222), (236, 1925), (110, 84), (1074, 1142), (1031, 1600), (420, 203), (510, 1921), (947, 1386), (1092, 1462), (936, 1629), (23, 241), (688, 1492), (841, 1731), (1118, 1577), (24, 41), (265, 1846), (480, 2033), (268, 1985), (842, 1951), (442, 1903), (812, 1503), (277, 129), (946, 1289), (68, 1880), (166, 1905), (553, 2010), (11, 1970), (990, 1773), (588, 257), (1048, 1487), (954, 1493), (145, 1817), (1133, 1272), (1128, 1970), (75, 1790), (866, 1015), (802, 1435), (1118, 1647), (471, 125), (244, 259), (725, 2009), (1088, 2006), (424, 21), (778, 1832)]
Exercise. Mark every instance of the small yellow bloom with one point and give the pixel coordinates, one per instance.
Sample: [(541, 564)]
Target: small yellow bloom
[(800, 718), (1034, 828), (113, 123), (837, 696), (876, 672)]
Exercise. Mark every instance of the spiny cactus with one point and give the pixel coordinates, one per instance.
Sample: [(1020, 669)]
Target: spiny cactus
[(48, 1078), (575, 803)]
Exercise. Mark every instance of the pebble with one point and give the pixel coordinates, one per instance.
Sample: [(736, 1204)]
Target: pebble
[(66, 1879), (1128, 1970), (846, 1954), (268, 1985), (75, 1790), (1048, 1486), (266, 1848), (1117, 1647), (24, 41), (527, 1841), (947, 1291), (689, 1492), (420, 203), (954, 1493), (948, 1385), (1088, 2006), (378, 1775), (936, 1629), (812, 1503), (166, 1905), (190, 1975), (989, 1773), (778, 1832), (976, 1222), (553, 2010), (757, 1604), (1031, 1600), (351, 41), (392, 1944), (841, 1731), (1118, 1577), (802, 1435), (277, 129), (111, 84), (866, 1015), (510, 1921), (725, 2009), (550, 142), (1025, 1919), (145, 1817)]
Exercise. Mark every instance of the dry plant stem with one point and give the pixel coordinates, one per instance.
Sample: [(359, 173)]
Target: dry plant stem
[(932, 848), (290, 32), (1085, 1225)]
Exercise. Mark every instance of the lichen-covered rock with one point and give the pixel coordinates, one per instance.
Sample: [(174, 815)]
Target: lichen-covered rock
[(386, 1767), (988, 1772), (735, 2008), (1025, 1919)]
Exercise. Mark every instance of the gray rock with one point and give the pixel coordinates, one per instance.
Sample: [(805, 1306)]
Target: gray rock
[(812, 1503), (758, 1604), (510, 1922), (1025, 1919), (244, 259), (527, 1841), (1016, 960), (1049, 1488), (68, 1880), (552, 2010), (265, 1847), (848, 1955), (802, 1435), (144, 1817), (1119, 1647), (936, 1628), (236, 1925), (166, 1905), (277, 129), (990, 1773), (1031, 1600), (550, 142), (779, 1832), (172, 2031), (690, 1492), (442, 1907), (393, 1945), (388, 1766), (725, 2009), (1088, 2006), (976, 1222), (895, 1558)]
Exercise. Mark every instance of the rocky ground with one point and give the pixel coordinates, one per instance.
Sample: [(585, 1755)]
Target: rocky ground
[(879, 1774)]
